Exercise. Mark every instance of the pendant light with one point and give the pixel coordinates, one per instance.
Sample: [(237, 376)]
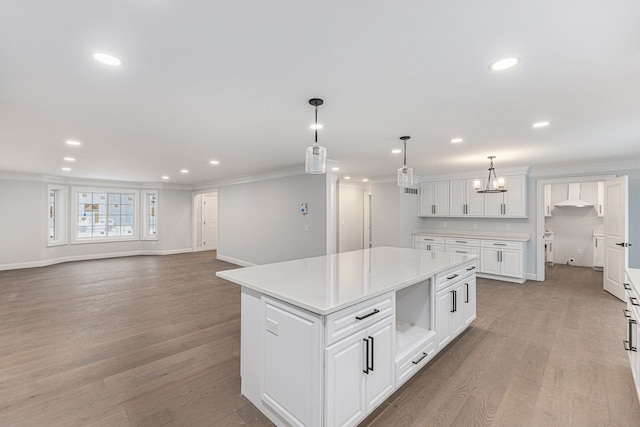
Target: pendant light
[(316, 158), (495, 185), (405, 174)]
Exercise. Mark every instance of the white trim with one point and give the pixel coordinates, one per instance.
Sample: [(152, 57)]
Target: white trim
[(61, 215), (235, 261), (298, 170), (585, 168), (60, 260), (144, 220), (501, 278)]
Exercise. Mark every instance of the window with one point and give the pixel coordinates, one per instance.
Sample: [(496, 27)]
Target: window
[(105, 215), (150, 215), (56, 215)]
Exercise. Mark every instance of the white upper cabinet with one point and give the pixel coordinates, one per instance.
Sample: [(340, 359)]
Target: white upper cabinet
[(434, 198), (547, 200), (510, 204), (464, 199)]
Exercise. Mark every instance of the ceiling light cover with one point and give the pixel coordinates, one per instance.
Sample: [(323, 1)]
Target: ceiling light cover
[(184, 171), (316, 157), (214, 162), (504, 64), (165, 177), (396, 151), (456, 140), (107, 59), (72, 142), (541, 124), (66, 169), (495, 185), (70, 159), (405, 174)]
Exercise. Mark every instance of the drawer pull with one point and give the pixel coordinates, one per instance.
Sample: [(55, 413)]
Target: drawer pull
[(627, 286), (634, 301), (453, 276), (626, 313), (462, 252), (499, 244), (473, 267), (461, 241), (420, 359), (375, 311)]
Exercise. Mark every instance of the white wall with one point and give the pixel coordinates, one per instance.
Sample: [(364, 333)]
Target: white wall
[(24, 233), (574, 226), (351, 212), (394, 215), (260, 222)]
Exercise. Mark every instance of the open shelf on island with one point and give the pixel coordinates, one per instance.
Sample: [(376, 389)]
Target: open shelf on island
[(414, 320), (409, 337)]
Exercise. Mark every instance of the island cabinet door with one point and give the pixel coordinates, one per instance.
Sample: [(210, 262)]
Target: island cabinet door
[(469, 300), (360, 373), (291, 380)]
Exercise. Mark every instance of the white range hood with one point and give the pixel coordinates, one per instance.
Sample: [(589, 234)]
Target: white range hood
[(574, 199)]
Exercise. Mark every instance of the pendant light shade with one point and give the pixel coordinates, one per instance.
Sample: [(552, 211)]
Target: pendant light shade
[(493, 185), (316, 158), (405, 174)]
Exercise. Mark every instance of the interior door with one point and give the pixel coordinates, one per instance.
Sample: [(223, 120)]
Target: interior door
[(209, 222), (616, 235)]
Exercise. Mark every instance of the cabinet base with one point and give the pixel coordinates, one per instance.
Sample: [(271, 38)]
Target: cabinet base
[(502, 278)]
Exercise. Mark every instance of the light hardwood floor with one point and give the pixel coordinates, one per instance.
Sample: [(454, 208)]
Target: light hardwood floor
[(154, 341)]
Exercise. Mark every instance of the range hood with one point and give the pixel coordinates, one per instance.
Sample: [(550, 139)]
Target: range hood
[(574, 199)]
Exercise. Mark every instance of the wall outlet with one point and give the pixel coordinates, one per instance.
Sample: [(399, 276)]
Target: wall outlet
[(306, 227), (444, 225), (508, 227), (579, 251), (475, 226)]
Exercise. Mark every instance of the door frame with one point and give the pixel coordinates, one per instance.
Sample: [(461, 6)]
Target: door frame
[(196, 220), (539, 238)]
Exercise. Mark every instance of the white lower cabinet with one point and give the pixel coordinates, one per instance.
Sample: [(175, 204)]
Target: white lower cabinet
[(469, 300), (450, 319), (502, 258), (632, 329), (359, 373)]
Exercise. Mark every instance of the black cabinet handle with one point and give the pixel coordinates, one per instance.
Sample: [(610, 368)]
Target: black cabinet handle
[(372, 353), (624, 245), (366, 356), (473, 267), (453, 301), (375, 311), (627, 286), (634, 301), (461, 241), (453, 276), (628, 347), (462, 252), (467, 288), (626, 313), (420, 359)]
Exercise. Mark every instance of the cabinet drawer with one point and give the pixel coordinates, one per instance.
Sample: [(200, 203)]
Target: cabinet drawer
[(462, 241), (463, 250), (453, 275), (501, 244), (428, 239), (352, 319), (408, 366)]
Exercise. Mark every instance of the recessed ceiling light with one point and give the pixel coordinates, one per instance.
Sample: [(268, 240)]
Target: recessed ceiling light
[(70, 159), (541, 124), (214, 162), (335, 169), (185, 171), (347, 177), (365, 179), (504, 64), (72, 142), (396, 151), (66, 169), (107, 59), (165, 177), (314, 126), (456, 140)]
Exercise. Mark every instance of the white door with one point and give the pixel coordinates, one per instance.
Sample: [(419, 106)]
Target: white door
[(489, 261), (458, 197), (475, 200), (444, 307), (209, 222), (616, 235), (381, 377), (511, 263)]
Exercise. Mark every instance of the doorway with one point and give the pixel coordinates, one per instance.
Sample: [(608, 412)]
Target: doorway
[(206, 221)]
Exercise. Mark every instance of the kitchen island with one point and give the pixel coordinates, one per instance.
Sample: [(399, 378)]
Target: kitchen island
[(326, 340)]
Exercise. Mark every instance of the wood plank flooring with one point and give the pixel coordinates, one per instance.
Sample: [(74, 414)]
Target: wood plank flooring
[(155, 341)]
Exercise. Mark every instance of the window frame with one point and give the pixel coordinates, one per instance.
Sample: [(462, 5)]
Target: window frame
[(60, 214), (106, 239), (146, 211)]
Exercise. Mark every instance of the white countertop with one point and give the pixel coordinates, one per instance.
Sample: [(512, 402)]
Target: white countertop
[(494, 235), (330, 283), (634, 276)]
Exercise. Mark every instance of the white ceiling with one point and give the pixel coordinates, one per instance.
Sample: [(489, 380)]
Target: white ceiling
[(231, 80)]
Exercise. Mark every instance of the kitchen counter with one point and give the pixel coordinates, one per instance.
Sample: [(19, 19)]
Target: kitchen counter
[(497, 235), (326, 284)]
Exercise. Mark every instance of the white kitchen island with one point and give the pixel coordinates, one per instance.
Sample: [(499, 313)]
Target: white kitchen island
[(326, 340)]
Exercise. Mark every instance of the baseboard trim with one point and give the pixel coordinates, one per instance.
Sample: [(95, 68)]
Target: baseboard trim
[(235, 261), (502, 278), (88, 257)]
